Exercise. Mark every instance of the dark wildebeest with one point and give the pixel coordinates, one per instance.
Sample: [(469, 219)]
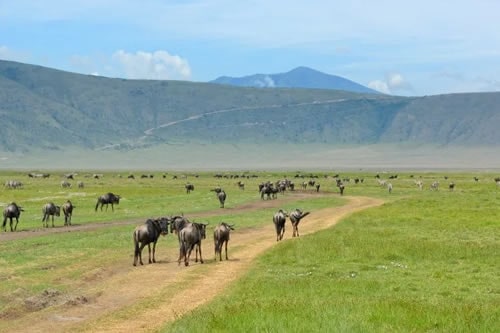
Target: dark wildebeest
[(11, 211), (279, 220), (221, 237), (67, 208), (177, 223), (106, 199), (295, 218), (189, 187), (190, 237), (48, 210), (222, 198), (146, 234)]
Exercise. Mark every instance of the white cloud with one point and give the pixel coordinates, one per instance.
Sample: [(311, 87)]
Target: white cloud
[(267, 82), (158, 65), (392, 83), (380, 86)]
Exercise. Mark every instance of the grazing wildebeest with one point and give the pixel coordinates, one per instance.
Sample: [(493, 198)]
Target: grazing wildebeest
[(146, 234), (13, 184), (190, 237), (11, 211), (106, 199), (222, 198), (221, 237), (67, 208), (189, 187), (50, 209), (279, 220), (295, 218)]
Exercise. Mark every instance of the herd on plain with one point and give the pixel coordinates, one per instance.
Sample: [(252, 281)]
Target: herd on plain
[(190, 234)]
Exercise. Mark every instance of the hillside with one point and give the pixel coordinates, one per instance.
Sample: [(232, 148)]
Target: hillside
[(43, 108), (300, 77)]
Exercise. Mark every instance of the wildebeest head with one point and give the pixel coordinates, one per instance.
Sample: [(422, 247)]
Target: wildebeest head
[(163, 222)]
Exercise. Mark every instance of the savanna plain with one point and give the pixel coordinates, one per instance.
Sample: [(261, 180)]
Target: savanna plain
[(410, 260)]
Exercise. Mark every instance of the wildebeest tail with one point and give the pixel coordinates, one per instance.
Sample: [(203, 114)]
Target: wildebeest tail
[(137, 251)]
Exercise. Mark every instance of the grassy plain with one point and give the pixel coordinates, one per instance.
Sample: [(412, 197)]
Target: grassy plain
[(424, 261)]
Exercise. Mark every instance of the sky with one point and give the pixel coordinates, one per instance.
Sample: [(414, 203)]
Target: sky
[(399, 47)]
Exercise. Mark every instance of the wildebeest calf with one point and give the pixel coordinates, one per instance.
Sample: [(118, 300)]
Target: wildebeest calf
[(221, 237), (146, 234)]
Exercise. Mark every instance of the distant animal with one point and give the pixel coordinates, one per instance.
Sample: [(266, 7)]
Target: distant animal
[(146, 234), (189, 187), (13, 184), (190, 237), (295, 218), (389, 187), (80, 184), (106, 199), (451, 186), (222, 198), (279, 220), (221, 238), (341, 188), (67, 208), (50, 210), (317, 187), (435, 186), (10, 212), (65, 184)]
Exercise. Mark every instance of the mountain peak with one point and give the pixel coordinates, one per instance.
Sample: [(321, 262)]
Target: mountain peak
[(299, 77)]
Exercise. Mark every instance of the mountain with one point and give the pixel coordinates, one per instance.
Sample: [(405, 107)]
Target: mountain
[(300, 77), (48, 109)]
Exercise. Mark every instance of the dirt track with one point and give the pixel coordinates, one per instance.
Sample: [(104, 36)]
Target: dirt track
[(147, 295)]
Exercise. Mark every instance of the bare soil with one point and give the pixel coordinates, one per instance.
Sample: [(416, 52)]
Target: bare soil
[(123, 298)]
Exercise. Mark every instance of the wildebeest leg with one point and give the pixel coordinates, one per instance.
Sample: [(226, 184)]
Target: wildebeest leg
[(112, 207), (149, 253), (4, 224), (140, 252), (226, 248), (198, 248), (154, 250)]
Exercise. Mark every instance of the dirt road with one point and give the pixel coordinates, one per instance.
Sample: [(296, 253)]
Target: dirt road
[(147, 297)]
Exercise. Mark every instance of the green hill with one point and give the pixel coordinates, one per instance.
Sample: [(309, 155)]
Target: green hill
[(43, 108)]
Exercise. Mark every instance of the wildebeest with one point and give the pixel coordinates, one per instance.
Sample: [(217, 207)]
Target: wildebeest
[(222, 198), (221, 237), (65, 184), (106, 199), (48, 210), (389, 187), (13, 184), (279, 220), (177, 223), (11, 211), (189, 187), (451, 186), (190, 237), (146, 234), (67, 208), (295, 218), (80, 184)]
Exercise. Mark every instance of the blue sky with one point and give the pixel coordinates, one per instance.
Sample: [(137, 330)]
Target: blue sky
[(395, 46)]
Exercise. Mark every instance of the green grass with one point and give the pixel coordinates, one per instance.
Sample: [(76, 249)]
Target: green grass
[(423, 261), (426, 261)]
